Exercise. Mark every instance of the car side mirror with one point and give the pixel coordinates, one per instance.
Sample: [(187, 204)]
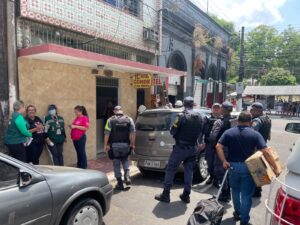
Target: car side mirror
[(25, 179), (293, 128)]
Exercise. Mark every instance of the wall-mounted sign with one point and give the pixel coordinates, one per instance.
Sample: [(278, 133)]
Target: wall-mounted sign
[(142, 81), (156, 81)]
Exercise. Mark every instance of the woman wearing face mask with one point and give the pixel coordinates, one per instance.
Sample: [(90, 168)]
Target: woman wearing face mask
[(34, 150), (55, 133), (78, 129), (17, 133)]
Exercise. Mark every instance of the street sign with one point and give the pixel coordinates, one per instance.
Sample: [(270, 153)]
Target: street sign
[(142, 81), (239, 88)]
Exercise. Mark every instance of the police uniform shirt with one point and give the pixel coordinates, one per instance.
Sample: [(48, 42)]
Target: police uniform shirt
[(241, 142), (256, 123), (108, 125)]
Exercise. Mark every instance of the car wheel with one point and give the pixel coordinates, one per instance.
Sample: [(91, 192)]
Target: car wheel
[(86, 211), (200, 170)]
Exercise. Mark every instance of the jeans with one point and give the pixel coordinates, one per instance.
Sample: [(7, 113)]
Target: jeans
[(57, 154), (180, 154), (17, 151), (81, 153), (117, 166), (33, 152), (242, 186)]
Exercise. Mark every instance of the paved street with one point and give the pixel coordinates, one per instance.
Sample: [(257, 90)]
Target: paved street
[(138, 207)]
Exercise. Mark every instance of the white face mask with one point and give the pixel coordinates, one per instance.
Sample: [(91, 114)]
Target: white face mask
[(52, 112)]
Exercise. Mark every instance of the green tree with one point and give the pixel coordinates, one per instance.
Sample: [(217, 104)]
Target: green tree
[(278, 76), (261, 45)]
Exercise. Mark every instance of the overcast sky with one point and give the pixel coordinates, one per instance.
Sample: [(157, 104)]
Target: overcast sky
[(250, 13)]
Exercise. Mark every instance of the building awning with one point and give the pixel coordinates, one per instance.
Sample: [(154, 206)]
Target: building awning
[(62, 54), (272, 90)]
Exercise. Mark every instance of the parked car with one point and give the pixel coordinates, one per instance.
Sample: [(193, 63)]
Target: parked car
[(51, 195), (286, 209), (154, 143)]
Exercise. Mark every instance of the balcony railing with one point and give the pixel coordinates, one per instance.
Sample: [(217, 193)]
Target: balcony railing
[(31, 33)]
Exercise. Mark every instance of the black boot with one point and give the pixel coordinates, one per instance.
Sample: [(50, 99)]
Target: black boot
[(163, 197), (120, 185), (225, 196), (127, 178), (185, 197), (210, 180)]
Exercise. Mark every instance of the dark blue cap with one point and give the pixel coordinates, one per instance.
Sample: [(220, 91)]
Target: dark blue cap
[(227, 105), (188, 99), (257, 105)]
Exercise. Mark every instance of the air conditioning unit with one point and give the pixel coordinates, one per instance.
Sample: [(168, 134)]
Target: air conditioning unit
[(150, 35)]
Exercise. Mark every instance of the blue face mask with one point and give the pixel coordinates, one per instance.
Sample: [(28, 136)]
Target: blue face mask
[(52, 112)]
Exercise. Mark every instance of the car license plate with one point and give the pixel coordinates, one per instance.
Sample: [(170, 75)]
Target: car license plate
[(152, 164)]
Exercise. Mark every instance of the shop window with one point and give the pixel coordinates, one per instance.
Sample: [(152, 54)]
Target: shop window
[(8, 175)]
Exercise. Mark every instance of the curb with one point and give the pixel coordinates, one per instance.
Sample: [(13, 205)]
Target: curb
[(133, 171)]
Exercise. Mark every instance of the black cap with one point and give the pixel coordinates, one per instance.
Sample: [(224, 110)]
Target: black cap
[(188, 102), (227, 105), (257, 105)]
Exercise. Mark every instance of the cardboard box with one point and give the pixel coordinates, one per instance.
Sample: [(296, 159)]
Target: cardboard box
[(260, 169), (272, 157)]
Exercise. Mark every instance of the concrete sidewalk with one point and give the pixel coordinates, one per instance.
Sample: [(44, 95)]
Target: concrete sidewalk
[(104, 164)]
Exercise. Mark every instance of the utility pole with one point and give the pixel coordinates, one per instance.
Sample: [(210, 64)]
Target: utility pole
[(239, 87), (4, 96)]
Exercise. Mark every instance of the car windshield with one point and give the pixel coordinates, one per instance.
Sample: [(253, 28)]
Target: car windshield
[(155, 121)]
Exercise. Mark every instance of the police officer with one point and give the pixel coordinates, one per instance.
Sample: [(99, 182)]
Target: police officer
[(261, 123), (187, 132), (209, 147), (241, 142), (219, 127), (119, 139)]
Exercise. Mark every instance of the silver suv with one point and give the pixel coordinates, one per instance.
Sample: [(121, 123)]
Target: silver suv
[(154, 143)]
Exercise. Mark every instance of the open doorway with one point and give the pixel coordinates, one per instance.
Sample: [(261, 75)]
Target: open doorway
[(106, 99)]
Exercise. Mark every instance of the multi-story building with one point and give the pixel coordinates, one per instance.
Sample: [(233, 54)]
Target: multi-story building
[(87, 52), (205, 62)]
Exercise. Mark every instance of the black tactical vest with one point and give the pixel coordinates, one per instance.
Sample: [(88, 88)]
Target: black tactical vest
[(120, 129), (190, 129), (266, 126), (226, 125)]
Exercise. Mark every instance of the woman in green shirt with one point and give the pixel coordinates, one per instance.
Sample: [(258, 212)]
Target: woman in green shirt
[(17, 135), (55, 135)]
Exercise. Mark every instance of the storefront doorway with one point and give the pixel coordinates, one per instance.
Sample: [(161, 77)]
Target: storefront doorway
[(107, 90)]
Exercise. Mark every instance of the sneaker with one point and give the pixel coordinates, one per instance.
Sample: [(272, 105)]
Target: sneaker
[(163, 197), (236, 216), (245, 223), (185, 198)]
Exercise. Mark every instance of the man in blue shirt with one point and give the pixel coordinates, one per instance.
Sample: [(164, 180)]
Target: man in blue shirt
[(242, 141)]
